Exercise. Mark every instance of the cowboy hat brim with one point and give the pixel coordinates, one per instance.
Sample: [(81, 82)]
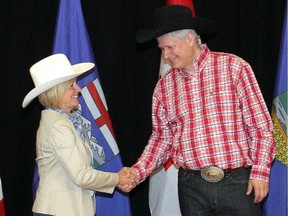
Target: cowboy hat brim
[(200, 25), (77, 68)]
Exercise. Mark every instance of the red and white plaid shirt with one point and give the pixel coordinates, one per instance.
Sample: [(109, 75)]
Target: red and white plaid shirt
[(217, 116)]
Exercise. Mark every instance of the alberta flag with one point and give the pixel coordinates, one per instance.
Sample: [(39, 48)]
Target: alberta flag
[(276, 202), (71, 38)]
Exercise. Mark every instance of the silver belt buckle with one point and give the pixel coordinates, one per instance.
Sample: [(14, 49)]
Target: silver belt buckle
[(212, 174)]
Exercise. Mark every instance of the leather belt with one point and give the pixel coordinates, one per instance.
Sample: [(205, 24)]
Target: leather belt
[(215, 174)]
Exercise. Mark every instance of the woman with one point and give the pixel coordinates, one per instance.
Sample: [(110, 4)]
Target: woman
[(64, 158)]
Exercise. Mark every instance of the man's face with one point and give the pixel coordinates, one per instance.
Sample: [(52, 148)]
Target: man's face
[(178, 52)]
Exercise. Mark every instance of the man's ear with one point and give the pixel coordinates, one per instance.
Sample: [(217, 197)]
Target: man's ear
[(190, 39)]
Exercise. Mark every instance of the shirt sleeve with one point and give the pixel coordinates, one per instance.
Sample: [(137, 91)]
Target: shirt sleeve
[(65, 145), (158, 148), (258, 123)]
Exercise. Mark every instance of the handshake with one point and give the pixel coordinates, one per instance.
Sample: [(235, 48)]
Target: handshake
[(128, 179)]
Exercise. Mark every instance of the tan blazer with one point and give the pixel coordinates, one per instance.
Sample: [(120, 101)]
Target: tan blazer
[(67, 179)]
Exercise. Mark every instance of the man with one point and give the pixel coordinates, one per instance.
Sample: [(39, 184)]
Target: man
[(210, 117)]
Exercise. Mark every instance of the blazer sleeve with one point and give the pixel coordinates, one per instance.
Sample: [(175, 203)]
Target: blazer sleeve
[(66, 146)]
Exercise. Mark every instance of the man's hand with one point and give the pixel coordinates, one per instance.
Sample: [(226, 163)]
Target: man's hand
[(128, 179), (260, 188)]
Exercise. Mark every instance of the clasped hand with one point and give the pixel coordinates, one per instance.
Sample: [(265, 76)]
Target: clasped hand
[(128, 179)]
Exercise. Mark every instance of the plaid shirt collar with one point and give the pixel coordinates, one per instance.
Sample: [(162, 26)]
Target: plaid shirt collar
[(199, 62)]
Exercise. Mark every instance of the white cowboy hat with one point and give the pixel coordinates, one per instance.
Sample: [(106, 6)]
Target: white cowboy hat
[(51, 71)]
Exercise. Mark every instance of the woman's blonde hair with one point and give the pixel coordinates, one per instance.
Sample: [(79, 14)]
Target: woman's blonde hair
[(53, 96)]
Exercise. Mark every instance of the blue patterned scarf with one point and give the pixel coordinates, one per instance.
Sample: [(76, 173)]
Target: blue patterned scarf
[(74, 118)]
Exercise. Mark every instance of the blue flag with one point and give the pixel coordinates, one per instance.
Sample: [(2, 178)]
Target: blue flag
[(71, 38), (276, 202)]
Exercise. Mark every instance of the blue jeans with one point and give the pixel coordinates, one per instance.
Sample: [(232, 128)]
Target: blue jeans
[(198, 197)]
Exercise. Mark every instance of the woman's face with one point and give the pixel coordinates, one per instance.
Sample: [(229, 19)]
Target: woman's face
[(69, 100)]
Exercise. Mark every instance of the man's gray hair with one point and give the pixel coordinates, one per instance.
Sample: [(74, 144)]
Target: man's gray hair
[(182, 34)]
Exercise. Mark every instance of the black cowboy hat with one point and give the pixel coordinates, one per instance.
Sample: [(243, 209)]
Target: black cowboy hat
[(172, 18)]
